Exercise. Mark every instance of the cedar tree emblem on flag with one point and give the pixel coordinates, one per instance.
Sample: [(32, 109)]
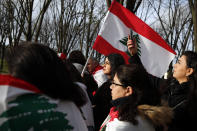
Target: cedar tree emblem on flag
[(36, 112), (154, 52), (136, 37)]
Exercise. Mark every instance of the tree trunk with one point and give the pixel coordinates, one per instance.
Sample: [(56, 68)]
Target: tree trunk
[(193, 8), (108, 3), (44, 9)]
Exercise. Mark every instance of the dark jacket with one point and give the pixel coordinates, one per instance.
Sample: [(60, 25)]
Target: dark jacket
[(91, 85), (102, 102), (176, 96)]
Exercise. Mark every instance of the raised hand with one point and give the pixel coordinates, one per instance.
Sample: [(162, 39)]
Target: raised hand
[(131, 45)]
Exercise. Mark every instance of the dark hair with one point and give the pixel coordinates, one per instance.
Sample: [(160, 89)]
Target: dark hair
[(143, 93), (87, 79), (115, 60), (75, 75), (191, 61), (40, 66), (77, 56)]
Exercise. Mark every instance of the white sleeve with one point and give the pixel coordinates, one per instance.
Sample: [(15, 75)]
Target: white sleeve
[(117, 125)]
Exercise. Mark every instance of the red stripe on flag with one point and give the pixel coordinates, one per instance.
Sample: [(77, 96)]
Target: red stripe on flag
[(18, 83), (136, 24), (105, 48)]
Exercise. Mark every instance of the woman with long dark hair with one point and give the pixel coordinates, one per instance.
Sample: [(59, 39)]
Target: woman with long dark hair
[(135, 102), (45, 96), (102, 98), (180, 91)]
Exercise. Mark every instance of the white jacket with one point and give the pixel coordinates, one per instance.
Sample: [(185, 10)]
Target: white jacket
[(117, 125), (23, 108), (87, 108)]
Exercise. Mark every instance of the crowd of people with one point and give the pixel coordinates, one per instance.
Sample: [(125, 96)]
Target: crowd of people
[(44, 91)]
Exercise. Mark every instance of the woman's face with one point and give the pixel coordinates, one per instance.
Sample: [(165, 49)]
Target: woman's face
[(117, 89), (180, 71), (107, 67)]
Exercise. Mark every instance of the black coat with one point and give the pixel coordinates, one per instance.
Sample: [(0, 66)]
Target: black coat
[(102, 102), (176, 96)]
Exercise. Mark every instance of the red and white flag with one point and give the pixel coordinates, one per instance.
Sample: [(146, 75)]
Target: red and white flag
[(24, 107), (154, 52), (99, 76)]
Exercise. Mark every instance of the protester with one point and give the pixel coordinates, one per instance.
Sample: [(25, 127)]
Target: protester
[(102, 97), (39, 93), (135, 102), (87, 108), (179, 91), (77, 58), (182, 93), (96, 71)]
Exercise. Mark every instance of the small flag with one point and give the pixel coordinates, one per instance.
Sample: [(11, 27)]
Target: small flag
[(99, 76)]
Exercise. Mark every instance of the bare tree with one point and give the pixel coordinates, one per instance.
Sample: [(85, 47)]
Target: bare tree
[(92, 24), (14, 25), (75, 24), (47, 32), (60, 24), (21, 19), (3, 33), (173, 24), (66, 21), (132, 5), (193, 9)]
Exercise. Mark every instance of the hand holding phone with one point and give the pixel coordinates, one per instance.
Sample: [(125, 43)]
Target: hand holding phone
[(131, 45)]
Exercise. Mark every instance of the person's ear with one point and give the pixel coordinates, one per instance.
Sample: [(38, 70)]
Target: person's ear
[(129, 90), (189, 71)]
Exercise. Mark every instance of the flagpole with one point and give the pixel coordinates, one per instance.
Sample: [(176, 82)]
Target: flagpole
[(86, 63)]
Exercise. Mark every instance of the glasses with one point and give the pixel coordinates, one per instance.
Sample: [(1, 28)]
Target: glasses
[(116, 84)]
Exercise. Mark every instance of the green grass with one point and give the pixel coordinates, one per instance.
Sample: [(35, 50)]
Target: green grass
[(5, 67)]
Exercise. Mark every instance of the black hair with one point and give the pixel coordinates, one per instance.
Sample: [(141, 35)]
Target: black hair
[(87, 79), (115, 60), (75, 75), (191, 61), (77, 56), (142, 92), (40, 66)]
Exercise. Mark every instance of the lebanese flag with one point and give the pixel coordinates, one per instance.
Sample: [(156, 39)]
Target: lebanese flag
[(24, 107), (155, 53), (99, 76)]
